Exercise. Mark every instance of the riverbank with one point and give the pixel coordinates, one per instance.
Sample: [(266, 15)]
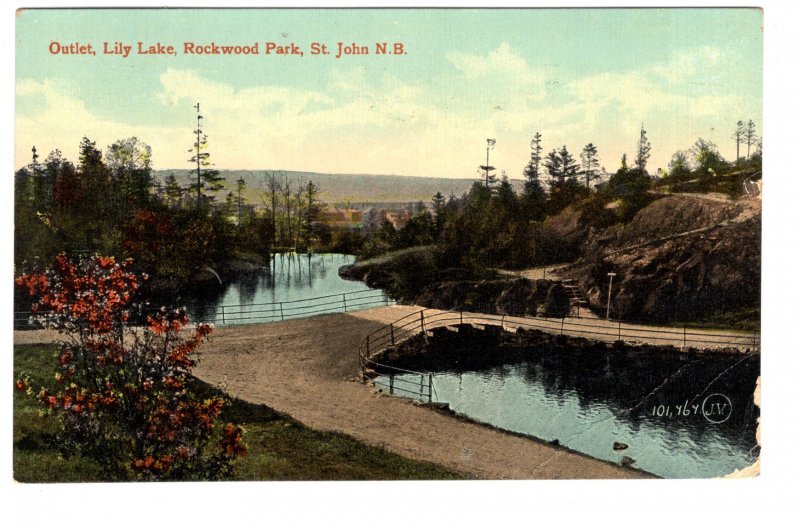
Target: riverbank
[(308, 368), (279, 448)]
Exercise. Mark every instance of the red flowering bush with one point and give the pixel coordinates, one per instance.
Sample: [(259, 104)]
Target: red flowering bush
[(121, 391)]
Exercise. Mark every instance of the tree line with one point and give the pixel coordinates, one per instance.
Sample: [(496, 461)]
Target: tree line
[(112, 203), (492, 226)]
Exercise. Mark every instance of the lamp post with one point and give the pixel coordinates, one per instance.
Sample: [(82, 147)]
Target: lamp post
[(608, 306)]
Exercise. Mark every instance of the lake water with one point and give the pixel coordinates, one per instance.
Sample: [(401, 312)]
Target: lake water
[(676, 415), (291, 286)]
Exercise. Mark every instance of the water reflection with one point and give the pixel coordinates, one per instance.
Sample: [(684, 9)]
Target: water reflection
[(287, 277), (666, 407)]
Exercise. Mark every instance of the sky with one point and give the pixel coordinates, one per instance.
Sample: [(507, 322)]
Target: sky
[(576, 76)]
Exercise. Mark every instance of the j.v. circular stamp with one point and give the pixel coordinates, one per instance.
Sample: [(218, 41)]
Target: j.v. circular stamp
[(717, 408)]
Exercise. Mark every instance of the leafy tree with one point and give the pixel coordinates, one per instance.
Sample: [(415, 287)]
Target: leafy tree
[(631, 186), (679, 163), (121, 393), (419, 231), (311, 213), (272, 194), (706, 156), (642, 151), (589, 163), (23, 188), (130, 163)]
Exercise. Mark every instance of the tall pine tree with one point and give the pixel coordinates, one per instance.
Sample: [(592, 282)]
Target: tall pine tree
[(207, 182), (642, 151)]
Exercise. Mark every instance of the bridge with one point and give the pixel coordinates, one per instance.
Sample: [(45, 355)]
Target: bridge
[(429, 321), (309, 368)]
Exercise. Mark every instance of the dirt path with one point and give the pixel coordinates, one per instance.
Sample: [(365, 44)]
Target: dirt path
[(307, 368)]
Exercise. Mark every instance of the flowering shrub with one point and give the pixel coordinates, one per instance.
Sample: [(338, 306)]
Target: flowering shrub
[(121, 391)]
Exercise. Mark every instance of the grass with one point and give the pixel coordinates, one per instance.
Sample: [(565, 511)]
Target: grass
[(280, 448), (744, 319)]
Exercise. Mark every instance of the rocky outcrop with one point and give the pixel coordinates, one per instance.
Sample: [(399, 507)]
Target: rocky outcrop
[(679, 259), (504, 297)]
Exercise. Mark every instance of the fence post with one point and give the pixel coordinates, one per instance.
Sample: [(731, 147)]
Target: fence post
[(344, 300), (223, 314), (422, 320), (421, 386), (619, 330), (460, 316), (368, 355), (562, 325), (281, 305), (391, 327), (430, 387), (391, 384), (684, 335)]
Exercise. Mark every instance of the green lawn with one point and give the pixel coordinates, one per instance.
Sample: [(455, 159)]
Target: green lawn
[(745, 319), (280, 448)]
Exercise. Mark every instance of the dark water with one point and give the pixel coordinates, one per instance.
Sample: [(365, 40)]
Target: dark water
[(680, 416), (306, 284)]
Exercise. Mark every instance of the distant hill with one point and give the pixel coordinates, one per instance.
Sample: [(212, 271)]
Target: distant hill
[(343, 188)]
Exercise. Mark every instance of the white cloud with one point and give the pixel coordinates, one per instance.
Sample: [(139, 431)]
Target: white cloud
[(61, 120), (385, 125)]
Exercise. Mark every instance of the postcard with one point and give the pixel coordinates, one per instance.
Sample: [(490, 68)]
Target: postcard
[(387, 244)]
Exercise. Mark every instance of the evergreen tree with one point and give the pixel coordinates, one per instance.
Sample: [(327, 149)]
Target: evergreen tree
[(552, 163), (240, 186), (173, 193), (531, 171), (642, 151), (67, 187), (207, 181), (560, 166), (95, 181), (438, 201), (488, 177), (589, 163), (750, 137), (41, 184), (739, 136)]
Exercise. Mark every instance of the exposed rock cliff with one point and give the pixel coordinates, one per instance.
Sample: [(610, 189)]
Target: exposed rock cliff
[(680, 258)]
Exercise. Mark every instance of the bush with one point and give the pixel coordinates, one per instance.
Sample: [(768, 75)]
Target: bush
[(632, 186), (120, 393), (557, 303)]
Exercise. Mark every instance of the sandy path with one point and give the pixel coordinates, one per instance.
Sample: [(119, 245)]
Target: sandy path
[(307, 368)]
